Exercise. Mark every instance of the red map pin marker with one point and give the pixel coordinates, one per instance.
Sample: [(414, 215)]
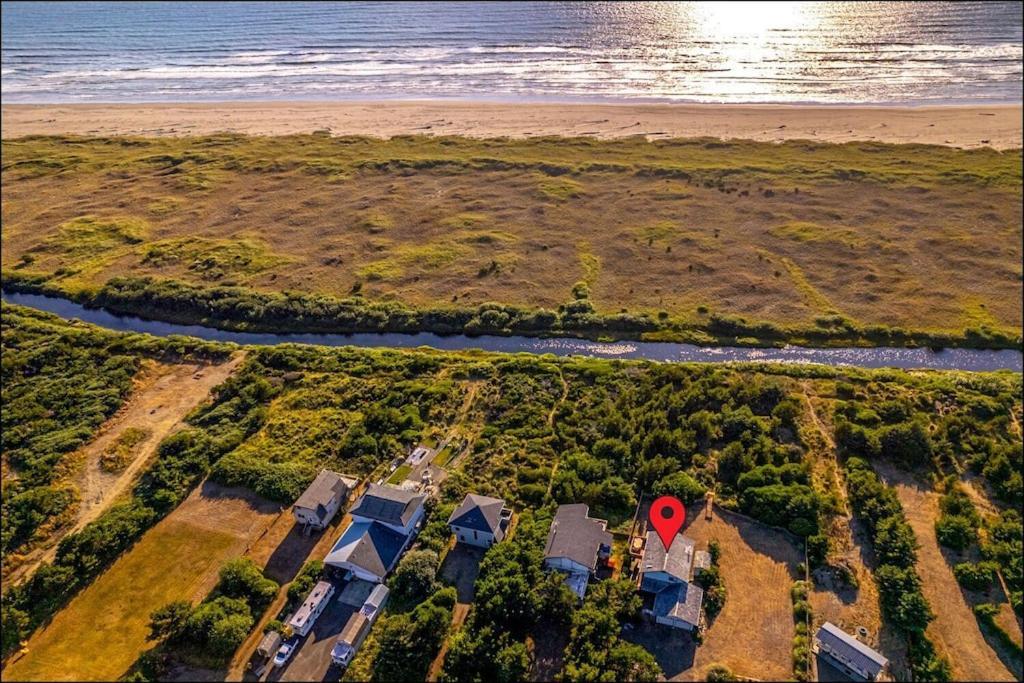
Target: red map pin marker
[(667, 515)]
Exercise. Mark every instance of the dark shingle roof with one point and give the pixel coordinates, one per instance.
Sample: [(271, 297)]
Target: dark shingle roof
[(388, 504), (478, 512), (677, 561), (325, 487), (576, 536), (680, 601), (837, 640), (369, 545)]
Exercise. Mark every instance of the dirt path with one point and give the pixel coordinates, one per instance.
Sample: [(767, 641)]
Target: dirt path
[(830, 598), (162, 396), (955, 631)]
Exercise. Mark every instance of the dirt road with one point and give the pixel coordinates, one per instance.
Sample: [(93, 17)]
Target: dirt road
[(162, 396), (955, 631)]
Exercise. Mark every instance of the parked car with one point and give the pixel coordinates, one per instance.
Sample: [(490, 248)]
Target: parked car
[(286, 651)]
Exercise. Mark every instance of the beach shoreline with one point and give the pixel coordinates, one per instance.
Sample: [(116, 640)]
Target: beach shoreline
[(966, 126)]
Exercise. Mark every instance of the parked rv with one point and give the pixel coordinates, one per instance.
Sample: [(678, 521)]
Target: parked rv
[(312, 607)]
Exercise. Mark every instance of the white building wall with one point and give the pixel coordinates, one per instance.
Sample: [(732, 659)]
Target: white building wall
[(565, 564), (484, 539)]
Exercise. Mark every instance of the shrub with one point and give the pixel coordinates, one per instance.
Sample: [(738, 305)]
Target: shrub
[(976, 577), (955, 532)]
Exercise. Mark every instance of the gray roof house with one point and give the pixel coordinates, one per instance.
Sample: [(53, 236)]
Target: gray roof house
[(390, 505), (679, 606), (480, 520), (851, 656), (367, 549), (321, 499), (576, 543), (667, 574)]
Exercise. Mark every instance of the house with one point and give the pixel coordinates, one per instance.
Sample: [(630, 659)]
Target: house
[(312, 607), (383, 521), (320, 501), (667, 573), (576, 545), (480, 520), (398, 509), (369, 550), (848, 654)]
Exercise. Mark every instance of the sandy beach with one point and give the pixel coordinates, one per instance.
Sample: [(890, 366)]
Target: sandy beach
[(997, 126)]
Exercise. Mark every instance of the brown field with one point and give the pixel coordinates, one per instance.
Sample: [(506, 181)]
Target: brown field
[(103, 630), (753, 634), (161, 397), (912, 236), (955, 631)]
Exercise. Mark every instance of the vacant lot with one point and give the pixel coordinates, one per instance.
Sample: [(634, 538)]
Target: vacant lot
[(103, 630), (162, 395), (927, 238), (753, 633), (955, 631)]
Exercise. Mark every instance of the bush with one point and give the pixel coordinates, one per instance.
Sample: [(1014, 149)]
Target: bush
[(976, 577), (956, 532), (241, 578), (720, 672), (304, 581)]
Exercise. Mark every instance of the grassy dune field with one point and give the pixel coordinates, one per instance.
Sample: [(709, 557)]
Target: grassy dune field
[(811, 241)]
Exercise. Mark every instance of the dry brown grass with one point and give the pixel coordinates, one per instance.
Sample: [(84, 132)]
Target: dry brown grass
[(955, 631), (103, 630), (933, 254), (753, 634)]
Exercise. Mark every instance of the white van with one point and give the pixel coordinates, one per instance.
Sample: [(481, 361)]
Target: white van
[(312, 607)]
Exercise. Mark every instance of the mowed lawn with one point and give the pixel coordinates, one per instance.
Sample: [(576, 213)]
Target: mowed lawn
[(103, 630)]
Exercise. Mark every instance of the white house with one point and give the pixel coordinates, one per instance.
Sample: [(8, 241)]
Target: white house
[(318, 504), (576, 544), (851, 656), (383, 521), (312, 607), (480, 520)]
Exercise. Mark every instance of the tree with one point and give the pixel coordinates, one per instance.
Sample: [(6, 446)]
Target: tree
[(682, 486), (241, 578), (414, 579), (169, 621), (895, 542), (410, 641), (228, 633)]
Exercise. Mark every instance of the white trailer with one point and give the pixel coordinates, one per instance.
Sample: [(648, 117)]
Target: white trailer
[(312, 607)]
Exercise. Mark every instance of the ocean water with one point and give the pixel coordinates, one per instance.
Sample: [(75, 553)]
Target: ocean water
[(829, 52)]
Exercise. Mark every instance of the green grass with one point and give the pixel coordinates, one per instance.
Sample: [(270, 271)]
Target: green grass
[(399, 475), (444, 457), (212, 259)]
